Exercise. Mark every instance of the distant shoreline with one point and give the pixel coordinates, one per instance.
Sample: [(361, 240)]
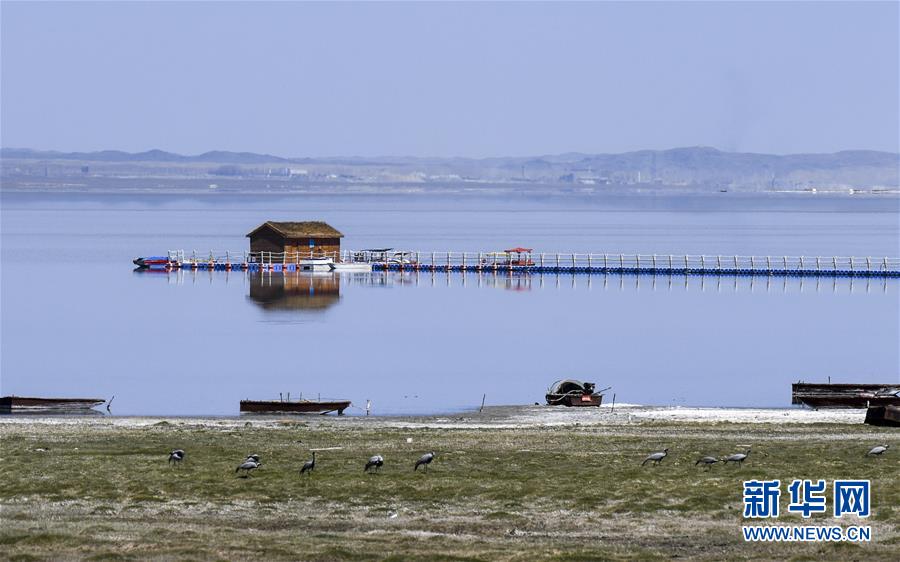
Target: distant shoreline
[(695, 169), (493, 417)]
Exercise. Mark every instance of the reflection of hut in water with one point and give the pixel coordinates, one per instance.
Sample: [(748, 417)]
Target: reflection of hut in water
[(295, 291)]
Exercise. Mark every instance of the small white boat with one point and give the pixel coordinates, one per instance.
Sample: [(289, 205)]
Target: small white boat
[(315, 264), (351, 267)]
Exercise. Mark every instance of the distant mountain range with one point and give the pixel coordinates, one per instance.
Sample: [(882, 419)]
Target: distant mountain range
[(694, 166), (155, 155)]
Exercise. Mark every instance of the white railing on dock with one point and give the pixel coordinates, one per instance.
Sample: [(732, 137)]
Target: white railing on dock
[(699, 263), (641, 262), (241, 257)]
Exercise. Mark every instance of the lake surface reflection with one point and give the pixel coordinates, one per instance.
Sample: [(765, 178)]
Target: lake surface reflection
[(76, 320)]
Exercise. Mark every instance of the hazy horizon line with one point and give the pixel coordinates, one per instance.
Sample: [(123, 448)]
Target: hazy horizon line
[(442, 157)]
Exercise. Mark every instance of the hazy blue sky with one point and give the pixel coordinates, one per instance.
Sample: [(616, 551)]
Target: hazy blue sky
[(441, 79)]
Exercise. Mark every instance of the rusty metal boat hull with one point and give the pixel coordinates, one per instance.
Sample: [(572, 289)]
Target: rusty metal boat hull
[(574, 400), (845, 395), (888, 416), (295, 407), (29, 404)]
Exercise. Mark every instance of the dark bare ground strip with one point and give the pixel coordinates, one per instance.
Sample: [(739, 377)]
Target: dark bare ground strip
[(492, 494)]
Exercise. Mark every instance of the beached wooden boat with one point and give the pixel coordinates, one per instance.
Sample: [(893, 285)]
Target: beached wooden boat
[(27, 404), (883, 415), (845, 395), (294, 406), (571, 392)]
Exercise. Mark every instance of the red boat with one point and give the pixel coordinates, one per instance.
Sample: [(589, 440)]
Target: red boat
[(153, 262)]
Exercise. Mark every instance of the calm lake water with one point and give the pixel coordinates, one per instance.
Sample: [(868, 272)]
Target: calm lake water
[(77, 321)]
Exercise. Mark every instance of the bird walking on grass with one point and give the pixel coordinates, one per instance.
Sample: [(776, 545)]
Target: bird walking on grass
[(707, 462), (424, 461), (375, 462), (878, 451), (739, 458), (247, 466), (309, 466), (656, 457), (176, 456)]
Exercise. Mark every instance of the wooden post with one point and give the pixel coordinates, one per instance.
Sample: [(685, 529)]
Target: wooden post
[(719, 263), (670, 263), (621, 261), (868, 263), (573, 261), (557, 261), (654, 262), (834, 263), (542, 260), (702, 262), (605, 260), (483, 396), (464, 261), (637, 261), (589, 261)]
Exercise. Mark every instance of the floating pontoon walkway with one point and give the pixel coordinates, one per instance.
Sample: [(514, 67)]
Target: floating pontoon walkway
[(505, 262), (795, 266)]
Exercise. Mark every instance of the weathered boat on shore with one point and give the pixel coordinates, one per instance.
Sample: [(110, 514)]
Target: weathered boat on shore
[(35, 405), (821, 395), (294, 406), (571, 392), (888, 416)]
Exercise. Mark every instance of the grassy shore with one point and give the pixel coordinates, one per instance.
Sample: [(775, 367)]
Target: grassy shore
[(101, 490)]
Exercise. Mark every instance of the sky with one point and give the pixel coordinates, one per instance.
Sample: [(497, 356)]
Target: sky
[(435, 79)]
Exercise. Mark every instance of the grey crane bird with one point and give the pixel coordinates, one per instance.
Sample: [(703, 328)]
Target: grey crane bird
[(375, 462), (707, 462), (738, 458), (878, 451), (424, 461), (656, 457), (176, 456), (247, 466), (309, 466)]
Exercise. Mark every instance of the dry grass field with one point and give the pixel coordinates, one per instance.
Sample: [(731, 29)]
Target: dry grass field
[(101, 489)]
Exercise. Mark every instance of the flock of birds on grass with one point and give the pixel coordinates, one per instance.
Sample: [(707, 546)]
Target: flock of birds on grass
[(737, 458), (252, 462)]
